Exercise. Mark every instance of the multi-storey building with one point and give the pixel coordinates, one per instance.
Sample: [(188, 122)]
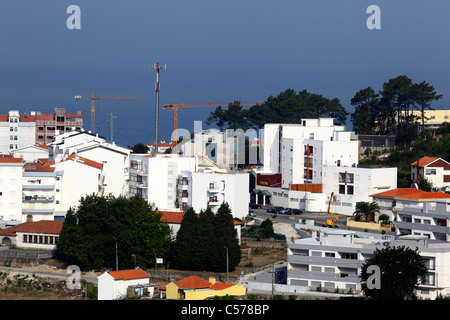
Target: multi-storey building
[(304, 163), (49, 125), (39, 184), (114, 158), (209, 188), (11, 188), (333, 262), (417, 212), (16, 131), (155, 178), (220, 147), (21, 130)]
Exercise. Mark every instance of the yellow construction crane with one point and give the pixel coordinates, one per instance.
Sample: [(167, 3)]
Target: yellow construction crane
[(179, 106), (331, 223), (93, 98)]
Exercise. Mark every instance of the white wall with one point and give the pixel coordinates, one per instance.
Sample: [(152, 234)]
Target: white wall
[(229, 187), (109, 288), (11, 191), (78, 180)]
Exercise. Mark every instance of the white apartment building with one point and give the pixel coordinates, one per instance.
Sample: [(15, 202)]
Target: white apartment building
[(304, 163), (220, 147), (115, 159), (333, 261), (11, 188), (16, 131), (417, 212), (77, 177), (210, 187), (155, 178), (39, 184)]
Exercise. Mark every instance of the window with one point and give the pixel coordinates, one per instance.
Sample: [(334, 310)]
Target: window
[(430, 172), (329, 254), (341, 189), (348, 255), (25, 238), (349, 189)]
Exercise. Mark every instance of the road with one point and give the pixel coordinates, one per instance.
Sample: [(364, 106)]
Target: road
[(318, 217)]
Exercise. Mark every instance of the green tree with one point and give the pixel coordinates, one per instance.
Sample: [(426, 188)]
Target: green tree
[(226, 242), (363, 118), (139, 148), (203, 241), (266, 228), (91, 232), (188, 243), (402, 270), (366, 210)]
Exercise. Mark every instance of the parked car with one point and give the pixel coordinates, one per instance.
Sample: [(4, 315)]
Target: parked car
[(252, 213), (275, 209), (290, 211), (254, 206)]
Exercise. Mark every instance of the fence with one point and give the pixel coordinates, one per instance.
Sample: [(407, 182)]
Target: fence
[(22, 256)]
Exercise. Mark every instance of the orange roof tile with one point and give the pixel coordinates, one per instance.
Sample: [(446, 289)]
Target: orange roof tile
[(412, 193), (424, 161), (193, 282), (171, 217), (42, 226), (177, 217), (129, 274), (82, 160), (43, 166), (9, 159), (221, 286)]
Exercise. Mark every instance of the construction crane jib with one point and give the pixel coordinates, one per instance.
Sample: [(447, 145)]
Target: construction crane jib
[(93, 98)]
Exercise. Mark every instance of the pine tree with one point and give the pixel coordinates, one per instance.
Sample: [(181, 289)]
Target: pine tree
[(187, 243), (226, 242)]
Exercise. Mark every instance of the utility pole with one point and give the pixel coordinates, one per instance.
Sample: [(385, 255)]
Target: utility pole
[(157, 67), (227, 265), (111, 117), (117, 258)]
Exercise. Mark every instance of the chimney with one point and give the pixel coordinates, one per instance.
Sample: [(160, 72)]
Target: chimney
[(212, 280)]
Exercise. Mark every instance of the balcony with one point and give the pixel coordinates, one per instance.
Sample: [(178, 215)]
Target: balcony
[(37, 198)]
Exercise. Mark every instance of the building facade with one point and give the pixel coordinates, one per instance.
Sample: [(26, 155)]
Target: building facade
[(209, 188), (333, 262)]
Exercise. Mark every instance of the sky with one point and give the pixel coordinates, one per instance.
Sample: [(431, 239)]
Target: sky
[(215, 51)]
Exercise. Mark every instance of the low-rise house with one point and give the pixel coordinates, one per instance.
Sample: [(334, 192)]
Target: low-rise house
[(196, 288), (435, 170), (41, 235), (114, 285)]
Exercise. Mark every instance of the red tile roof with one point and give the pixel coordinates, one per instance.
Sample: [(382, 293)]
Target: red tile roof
[(43, 166), (193, 282), (177, 217), (9, 159), (42, 226), (82, 160), (424, 161), (129, 274), (412, 193)]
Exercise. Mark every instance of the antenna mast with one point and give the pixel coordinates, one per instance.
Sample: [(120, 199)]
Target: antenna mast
[(157, 67)]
